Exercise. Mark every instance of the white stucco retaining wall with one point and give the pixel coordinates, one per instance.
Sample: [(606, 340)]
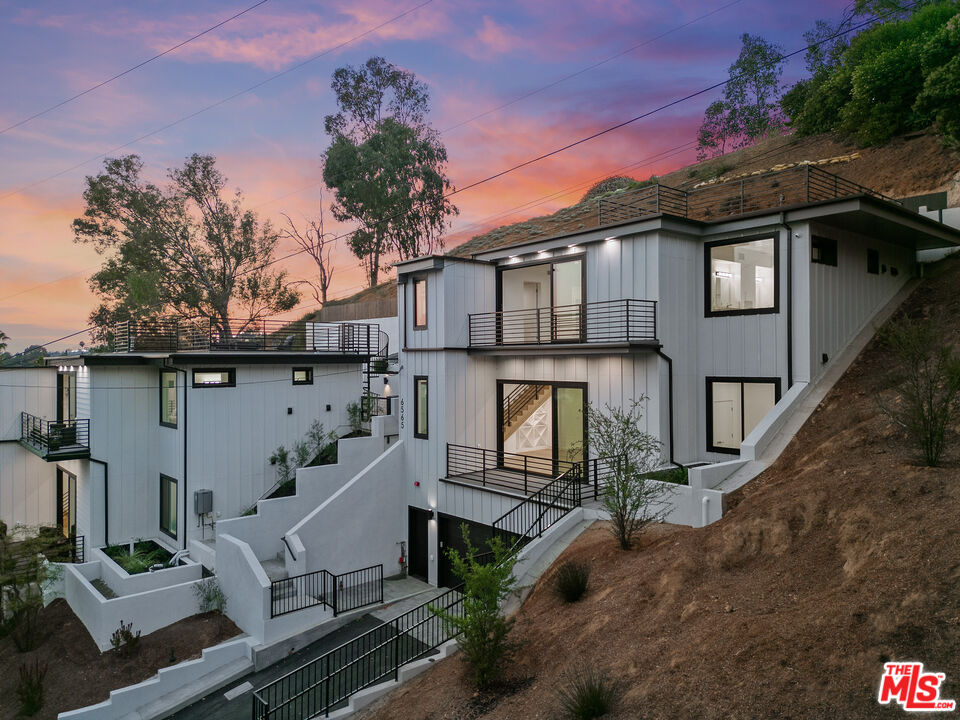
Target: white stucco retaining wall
[(147, 611), (358, 526), (123, 583)]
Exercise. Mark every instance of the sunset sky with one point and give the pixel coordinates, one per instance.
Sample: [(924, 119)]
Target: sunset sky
[(474, 56)]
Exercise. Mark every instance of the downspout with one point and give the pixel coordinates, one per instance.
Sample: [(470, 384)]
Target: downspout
[(669, 360), (106, 499), (183, 523), (783, 221)]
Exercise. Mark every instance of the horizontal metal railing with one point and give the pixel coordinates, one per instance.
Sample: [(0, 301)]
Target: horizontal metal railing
[(179, 334), (764, 191), (51, 437), (626, 320), (373, 657), (499, 469), (341, 593)]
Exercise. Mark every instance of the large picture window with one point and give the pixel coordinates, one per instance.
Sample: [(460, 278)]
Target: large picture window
[(420, 303), (168, 398), (741, 277), (420, 419), (168, 506), (735, 406)]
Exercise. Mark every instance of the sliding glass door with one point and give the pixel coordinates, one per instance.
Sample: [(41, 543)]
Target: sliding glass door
[(541, 425), (541, 303), (735, 406)]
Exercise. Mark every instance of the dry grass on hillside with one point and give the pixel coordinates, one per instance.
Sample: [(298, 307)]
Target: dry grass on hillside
[(842, 556)]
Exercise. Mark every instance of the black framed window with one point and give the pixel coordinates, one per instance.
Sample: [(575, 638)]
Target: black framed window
[(303, 376), (735, 406), (420, 398), (823, 251), (168, 398), (419, 303), (168, 505), (873, 262), (215, 377), (742, 277)]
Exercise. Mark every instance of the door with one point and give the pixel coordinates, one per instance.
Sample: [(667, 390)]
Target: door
[(66, 511), (542, 426), (418, 553)]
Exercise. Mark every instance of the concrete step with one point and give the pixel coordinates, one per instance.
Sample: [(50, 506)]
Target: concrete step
[(275, 569)]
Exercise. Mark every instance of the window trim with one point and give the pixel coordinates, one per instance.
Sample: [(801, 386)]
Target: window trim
[(708, 310), (176, 391), (307, 370), (710, 379), (176, 484), (231, 375), (836, 251), (426, 319), (416, 408)]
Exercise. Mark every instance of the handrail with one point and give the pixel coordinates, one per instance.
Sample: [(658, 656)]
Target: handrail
[(289, 549), (341, 593)]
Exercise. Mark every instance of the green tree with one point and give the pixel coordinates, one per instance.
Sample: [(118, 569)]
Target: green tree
[(483, 630), (939, 99), (385, 164), (629, 495), (189, 248), (4, 339), (749, 110)]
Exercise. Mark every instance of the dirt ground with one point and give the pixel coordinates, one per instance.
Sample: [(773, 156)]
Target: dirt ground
[(78, 674), (840, 557)]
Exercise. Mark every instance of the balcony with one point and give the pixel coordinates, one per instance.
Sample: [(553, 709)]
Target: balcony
[(612, 322), (767, 191), (168, 334), (501, 470), (66, 440)]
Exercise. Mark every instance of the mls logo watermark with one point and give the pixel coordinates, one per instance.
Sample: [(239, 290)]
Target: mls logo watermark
[(915, 690)]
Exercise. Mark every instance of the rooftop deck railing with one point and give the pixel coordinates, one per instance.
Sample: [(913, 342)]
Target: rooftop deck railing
[(50, 437), (179, 334), (792, 186), (609, 321)]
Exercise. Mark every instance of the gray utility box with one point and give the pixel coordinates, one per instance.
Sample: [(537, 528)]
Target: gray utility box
[(202, 501)]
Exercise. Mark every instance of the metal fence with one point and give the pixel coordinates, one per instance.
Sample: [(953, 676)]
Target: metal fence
[(792, 186), (377, 655), (538, 512), (179, 334), (52, 437), (341, 593), (608, 321)]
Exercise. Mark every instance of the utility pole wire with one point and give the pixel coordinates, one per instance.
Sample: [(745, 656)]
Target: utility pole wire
[(130, 69)]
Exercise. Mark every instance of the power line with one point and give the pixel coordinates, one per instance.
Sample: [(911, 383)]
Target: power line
[(130, 69), (218, 103), (559, 150)]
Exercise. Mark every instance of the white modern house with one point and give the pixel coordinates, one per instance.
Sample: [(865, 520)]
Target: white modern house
[(722, 307), (173, 431)]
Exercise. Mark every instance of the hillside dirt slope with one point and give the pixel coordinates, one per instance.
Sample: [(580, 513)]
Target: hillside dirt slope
[(843, 555)]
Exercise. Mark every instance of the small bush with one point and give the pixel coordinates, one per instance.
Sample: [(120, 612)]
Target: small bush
[(30, 688), (211, 598), (571, 580), (587, 693), (124, 641)]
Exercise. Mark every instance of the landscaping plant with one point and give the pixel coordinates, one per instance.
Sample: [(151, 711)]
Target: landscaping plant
[(30, 688), (24, 571), (124, 641), (482, 628), (586, 693), (629, 494), (571, 580), (211, 598), (928, 383)]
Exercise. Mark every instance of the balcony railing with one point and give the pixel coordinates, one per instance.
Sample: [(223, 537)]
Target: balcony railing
[(610, 321), (796, 185), (503, 470), (178, 334), (69, 439), (341, 593)]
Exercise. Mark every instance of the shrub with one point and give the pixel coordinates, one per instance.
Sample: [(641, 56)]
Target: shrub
[(24, 622), (124, 641), (211, 598), (587, 693), (483, 629), (355, 417), (30, 688), (928, 379), (571, 580)]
